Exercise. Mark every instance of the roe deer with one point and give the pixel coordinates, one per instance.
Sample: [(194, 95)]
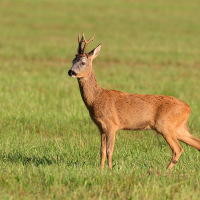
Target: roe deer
[(113, 110)]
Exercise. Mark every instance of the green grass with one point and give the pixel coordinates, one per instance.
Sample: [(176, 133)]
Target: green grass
[(49, 147)]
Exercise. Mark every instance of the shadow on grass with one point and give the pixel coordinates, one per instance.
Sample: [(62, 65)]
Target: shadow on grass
[(25, 160)]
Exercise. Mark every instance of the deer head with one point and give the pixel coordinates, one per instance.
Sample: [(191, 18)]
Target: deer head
[(82, 63)]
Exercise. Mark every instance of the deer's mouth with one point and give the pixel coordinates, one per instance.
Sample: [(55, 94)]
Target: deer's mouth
[(72, 73)]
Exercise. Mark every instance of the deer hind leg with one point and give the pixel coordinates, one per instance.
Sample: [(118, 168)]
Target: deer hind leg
[(175, 147), (184, 135)]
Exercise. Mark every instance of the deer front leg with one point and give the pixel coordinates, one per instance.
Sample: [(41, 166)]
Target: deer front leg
[(103, 149), (110, 140)]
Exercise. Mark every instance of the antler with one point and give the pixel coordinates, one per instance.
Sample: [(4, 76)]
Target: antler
[(81, 49), (80, 46)]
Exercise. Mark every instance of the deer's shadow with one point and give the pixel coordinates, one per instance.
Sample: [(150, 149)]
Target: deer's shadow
[(25, 160)]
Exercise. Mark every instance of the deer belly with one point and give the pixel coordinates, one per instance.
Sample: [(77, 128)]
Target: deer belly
[(135, 121), (136, 126)]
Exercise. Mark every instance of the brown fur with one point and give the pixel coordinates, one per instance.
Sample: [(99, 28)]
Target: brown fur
[(113, 110)]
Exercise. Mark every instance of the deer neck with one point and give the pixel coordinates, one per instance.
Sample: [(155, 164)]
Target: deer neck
[(89, 88)]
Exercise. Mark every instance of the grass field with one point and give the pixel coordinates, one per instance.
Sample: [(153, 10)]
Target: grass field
[(49, 147)]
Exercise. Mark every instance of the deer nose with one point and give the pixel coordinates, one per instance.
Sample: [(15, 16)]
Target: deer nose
[(71, 73)]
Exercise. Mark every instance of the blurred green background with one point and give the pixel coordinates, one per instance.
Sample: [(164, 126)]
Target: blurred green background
[(49, 147)]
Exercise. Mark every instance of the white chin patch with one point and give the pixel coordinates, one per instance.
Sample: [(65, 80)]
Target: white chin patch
[(73, 76)]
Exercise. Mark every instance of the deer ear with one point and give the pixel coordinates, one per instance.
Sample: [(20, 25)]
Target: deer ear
[(94, 53)]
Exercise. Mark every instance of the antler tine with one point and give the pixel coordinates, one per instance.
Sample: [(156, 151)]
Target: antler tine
[(79, 50), (86, 42), (83, 38), (78, 38), (91, 39)]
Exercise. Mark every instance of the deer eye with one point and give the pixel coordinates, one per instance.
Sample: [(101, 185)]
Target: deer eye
[(83, 63)]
